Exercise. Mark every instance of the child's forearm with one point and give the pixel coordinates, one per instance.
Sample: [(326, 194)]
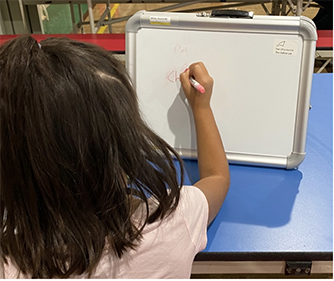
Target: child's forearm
[(211, 154)]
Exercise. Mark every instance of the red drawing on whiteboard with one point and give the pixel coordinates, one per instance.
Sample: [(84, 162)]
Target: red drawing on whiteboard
[(173, 76), (180, 49)]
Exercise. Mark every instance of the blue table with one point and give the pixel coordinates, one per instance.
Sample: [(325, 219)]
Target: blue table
[(274, 218)]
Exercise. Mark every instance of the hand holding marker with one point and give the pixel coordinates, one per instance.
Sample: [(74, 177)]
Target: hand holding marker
[(196, 85)]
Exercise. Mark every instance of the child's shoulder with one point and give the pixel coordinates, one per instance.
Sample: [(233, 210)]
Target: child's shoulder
[(193, 198)]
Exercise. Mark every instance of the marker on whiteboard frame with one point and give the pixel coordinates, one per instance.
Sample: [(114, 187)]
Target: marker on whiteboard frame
[(196, 85)]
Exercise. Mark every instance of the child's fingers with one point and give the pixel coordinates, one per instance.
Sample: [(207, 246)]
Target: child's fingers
[(184, 78), (198, 71)]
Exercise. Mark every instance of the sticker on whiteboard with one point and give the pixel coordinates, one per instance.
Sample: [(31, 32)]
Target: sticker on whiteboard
[(286, 47), (160, 20)]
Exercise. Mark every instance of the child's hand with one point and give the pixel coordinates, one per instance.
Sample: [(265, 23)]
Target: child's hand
[(196, 99)]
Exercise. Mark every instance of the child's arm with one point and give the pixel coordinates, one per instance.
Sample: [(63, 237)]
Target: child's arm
[(213, 166)]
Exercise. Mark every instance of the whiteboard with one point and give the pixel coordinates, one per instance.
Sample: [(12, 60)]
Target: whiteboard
[(255, 90), (257, 78)]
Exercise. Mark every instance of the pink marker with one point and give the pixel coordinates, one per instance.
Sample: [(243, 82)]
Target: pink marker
[(196, 85)]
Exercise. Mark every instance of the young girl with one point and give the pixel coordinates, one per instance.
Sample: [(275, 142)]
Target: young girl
[(87, 189)]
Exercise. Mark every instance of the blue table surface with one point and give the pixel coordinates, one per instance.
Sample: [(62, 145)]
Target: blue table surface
[(277, 211)]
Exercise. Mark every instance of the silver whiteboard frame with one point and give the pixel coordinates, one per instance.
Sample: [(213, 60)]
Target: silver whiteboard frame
[(300, 25)]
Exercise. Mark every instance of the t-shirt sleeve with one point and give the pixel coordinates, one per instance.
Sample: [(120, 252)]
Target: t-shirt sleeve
[(195, 210)]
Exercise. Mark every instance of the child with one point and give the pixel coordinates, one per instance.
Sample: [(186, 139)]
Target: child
[(87, 189)]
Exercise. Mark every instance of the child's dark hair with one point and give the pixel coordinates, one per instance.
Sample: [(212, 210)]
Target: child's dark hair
[(74, 153)]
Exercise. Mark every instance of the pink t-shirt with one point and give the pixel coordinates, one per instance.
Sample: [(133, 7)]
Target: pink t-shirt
[(167, 249)]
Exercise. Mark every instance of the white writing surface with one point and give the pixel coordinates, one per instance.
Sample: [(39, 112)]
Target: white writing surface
[(255, 90)]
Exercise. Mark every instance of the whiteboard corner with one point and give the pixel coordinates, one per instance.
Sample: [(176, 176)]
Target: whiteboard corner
[(308, 29), (294, 160), (133, 24)]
